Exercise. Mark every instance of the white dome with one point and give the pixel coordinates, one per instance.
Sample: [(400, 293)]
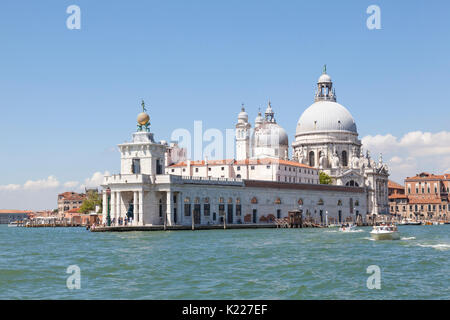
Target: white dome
[(326, 116), (243, 115), (324, 78), (259, 119), (269, 134)]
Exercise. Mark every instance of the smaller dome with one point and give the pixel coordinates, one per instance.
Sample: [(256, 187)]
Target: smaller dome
[(259, 119), (271, 135), (324, 78), (243, 115), (143, 118)]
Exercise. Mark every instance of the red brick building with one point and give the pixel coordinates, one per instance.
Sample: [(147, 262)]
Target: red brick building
[(68, 201), (424, 196)]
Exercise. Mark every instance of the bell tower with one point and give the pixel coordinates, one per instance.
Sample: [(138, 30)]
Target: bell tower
[(243, 136)]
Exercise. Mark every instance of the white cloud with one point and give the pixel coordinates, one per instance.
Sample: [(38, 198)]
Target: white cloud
[(94, 181), (42, 194), (412, 153), (10, 187), (71, 184), (50, 182)]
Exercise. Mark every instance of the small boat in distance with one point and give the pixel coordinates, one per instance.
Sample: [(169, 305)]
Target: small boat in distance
[(13, 224), (385, 232), (348, 227)]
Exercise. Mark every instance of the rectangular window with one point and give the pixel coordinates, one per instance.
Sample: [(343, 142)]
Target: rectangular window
[(238, 168), (252, 167), (221, 210), (187, 209), (238, 210), (158, 167), (206, 209), (196, 169), (136, 166), (278, 213)]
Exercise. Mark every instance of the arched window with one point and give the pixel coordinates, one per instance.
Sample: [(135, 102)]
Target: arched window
[(278, 201), (254, 200), (352, 183), (344, 158), (206, 200), (300, 201), (230, 200), (197, 200), (187, 200), (311, 159), (238, 176), (356, 203), (339, 202), (320, 202), (221, 200), (238, 200)]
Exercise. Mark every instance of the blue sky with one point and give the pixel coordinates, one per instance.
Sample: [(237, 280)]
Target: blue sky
[(69, 96)]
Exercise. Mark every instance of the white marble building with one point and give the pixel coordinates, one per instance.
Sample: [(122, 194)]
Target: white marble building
[(155, 187)]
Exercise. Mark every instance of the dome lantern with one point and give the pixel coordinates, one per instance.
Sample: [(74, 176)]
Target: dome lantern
[(325, 91)]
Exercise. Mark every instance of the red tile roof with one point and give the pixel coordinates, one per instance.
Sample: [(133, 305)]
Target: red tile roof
[(428, 176), (398, 196), (5, 211), (74, 210), (395, 185), (72, 196), (424, 200)]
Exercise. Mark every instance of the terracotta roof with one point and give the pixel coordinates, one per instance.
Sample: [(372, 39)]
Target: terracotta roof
[(241, 162), (5, 211), (428, 176), (395, 185), (72, 196), (74, 210), (424, 200), (398, 196)]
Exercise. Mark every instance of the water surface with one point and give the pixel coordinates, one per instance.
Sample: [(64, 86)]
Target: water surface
[(224, 264)]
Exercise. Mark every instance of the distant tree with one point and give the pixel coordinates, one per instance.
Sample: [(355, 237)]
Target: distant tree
[(92, 200), (324, 178), (55, 211)]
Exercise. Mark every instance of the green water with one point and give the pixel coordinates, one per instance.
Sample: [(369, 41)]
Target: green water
[(224, 264)]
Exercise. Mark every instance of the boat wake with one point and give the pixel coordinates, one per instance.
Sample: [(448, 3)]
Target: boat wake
[(408, 238), (439, 246)]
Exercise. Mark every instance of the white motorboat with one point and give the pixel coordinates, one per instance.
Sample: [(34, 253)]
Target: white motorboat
[(385, 232), (13, 224), (347, 228)]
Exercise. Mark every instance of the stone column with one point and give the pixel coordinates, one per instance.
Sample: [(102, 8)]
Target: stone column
[(135, 208), (113, 205), (141, 208), (169, 217), (104, 207)]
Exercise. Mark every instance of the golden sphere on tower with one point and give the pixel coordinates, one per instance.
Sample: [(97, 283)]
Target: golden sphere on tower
[(143, 118)]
